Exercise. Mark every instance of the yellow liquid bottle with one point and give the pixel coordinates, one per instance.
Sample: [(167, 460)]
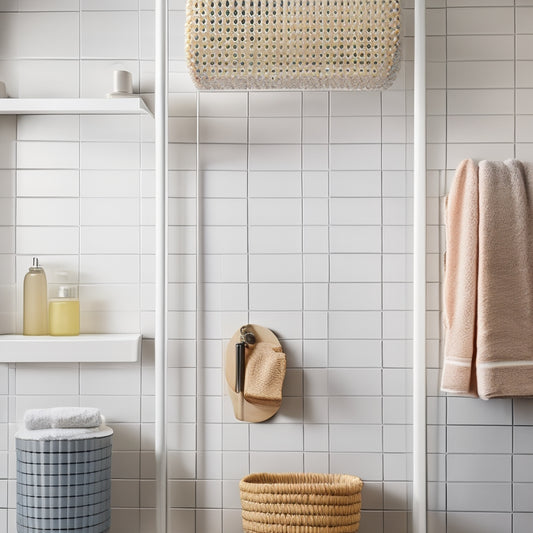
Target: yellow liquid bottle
[(35, 314), (64, 312)]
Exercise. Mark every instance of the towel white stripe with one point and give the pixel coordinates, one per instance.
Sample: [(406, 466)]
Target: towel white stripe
[(492, 364), (458, 363), (497, 364)]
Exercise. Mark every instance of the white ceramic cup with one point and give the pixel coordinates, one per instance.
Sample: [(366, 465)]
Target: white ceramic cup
[(122, 82), (3, 90)]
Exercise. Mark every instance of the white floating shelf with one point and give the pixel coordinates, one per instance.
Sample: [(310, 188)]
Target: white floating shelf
[(85, 348), (73, 106)]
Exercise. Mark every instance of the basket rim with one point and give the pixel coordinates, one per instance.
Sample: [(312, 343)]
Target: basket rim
[(297, 482)]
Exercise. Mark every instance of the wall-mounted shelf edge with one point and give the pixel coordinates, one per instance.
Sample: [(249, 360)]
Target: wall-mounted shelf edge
[(85, 348), (74, 106)]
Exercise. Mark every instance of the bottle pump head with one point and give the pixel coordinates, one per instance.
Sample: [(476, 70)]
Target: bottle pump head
[(67, 291), (35, 264)]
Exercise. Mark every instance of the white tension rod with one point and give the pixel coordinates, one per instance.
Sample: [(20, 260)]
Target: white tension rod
[(161, 233), (419, 275)]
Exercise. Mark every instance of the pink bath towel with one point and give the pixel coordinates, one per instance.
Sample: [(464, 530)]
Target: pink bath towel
[(488, 287), (460, 281)]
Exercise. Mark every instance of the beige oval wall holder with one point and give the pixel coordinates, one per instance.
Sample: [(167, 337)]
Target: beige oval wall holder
[(255, 369)]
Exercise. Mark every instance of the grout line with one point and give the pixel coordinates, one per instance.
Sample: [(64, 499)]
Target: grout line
[(302, 267), (12, 368), (139, 46), (441, 259), (248, 204), (511, 487), (515, 48), (382, 314), (329, 268), (18, 311), (79, 254), (139, 259), (79, 49), (198, 297), (512, 465)]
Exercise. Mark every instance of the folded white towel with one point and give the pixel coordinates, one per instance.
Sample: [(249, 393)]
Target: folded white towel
[(64, 433), (63, 417)]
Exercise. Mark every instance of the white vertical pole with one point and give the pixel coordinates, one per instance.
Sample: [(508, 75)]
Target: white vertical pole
[(161, 195), (419, 275)]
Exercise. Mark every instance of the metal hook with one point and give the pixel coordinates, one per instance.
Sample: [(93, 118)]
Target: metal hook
[(247, 336)]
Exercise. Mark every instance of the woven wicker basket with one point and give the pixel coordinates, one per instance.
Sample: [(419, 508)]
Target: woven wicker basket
[(295, 44), (300, 503)]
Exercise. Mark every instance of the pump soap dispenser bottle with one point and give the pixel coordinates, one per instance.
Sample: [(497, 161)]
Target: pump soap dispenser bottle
[(35, 321), (64, 311)]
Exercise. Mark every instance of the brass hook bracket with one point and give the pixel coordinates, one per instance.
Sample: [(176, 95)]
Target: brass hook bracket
[(247, 335)]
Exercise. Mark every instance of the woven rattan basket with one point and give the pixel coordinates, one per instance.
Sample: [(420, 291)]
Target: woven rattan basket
[(300, 503), (301, 44)]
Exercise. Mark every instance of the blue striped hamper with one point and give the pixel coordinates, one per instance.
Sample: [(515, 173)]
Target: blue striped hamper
[(64, 485)]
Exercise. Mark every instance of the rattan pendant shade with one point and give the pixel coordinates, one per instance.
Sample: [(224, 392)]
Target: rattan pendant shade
[(293, 44)]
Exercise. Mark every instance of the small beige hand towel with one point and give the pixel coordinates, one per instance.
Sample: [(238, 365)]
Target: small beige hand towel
[(489, 281), (264, 374)]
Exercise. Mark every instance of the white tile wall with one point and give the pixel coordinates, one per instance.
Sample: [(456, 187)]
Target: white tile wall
[(305, 229), (486, 118)]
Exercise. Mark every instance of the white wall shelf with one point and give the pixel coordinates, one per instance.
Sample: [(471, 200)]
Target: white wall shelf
[(89, 347), (85, 348), (73, 106)]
